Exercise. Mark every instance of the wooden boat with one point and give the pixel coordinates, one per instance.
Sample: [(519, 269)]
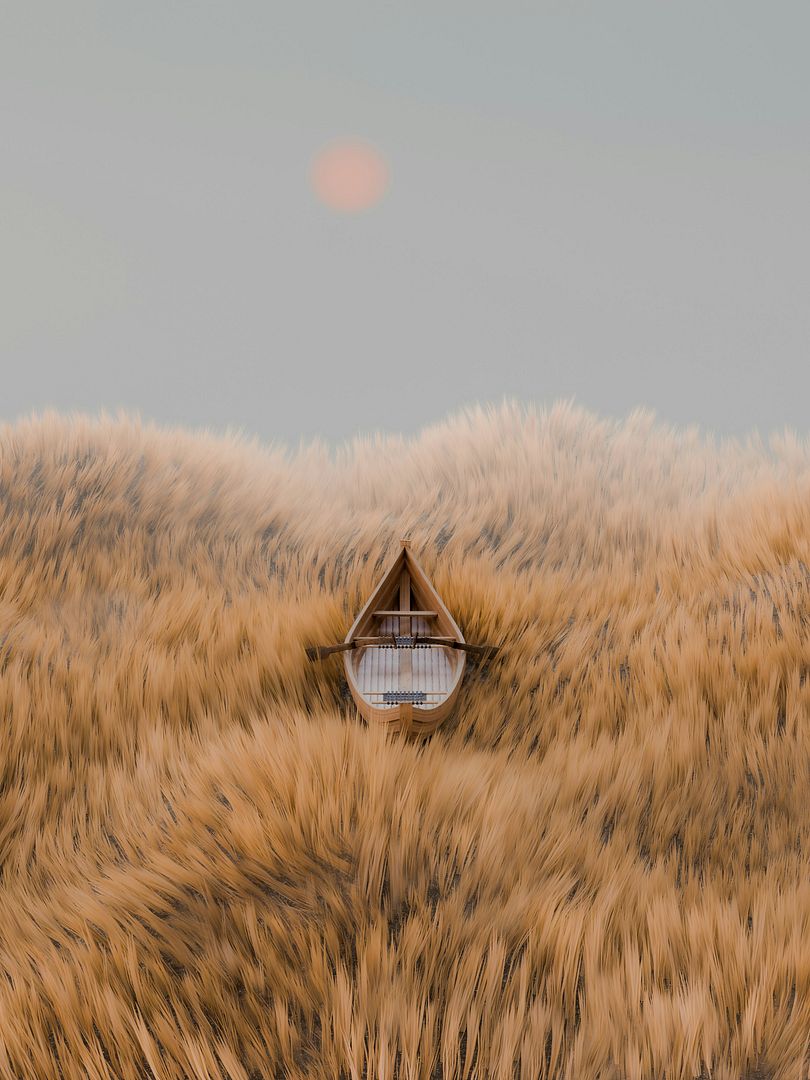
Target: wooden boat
[(404, 655)]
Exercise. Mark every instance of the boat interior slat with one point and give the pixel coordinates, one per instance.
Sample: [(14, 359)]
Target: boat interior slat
[(432, 670)]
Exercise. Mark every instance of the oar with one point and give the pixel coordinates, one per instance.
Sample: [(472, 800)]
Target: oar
[(320, 652), (482, 651)]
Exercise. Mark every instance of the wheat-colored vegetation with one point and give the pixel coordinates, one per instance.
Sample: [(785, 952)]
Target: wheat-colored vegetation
[(597, 868)]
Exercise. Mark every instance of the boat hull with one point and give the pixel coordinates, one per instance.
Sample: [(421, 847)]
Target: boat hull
[(396, 680)]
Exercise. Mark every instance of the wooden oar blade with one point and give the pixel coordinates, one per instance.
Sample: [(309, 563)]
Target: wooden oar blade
[(320, 652), (480, 651)]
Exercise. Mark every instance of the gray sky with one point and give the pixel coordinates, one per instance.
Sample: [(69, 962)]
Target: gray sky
[(608, 201)]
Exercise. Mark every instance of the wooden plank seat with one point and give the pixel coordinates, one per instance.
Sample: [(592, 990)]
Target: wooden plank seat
[(392, 697), (399, 641), (406, 614)]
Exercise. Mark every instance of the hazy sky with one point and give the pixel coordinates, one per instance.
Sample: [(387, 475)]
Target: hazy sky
[(608, 201)]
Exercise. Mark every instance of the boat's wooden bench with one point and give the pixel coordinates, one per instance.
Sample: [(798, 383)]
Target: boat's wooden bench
[(415, 697), (400, 641), (406, 614)]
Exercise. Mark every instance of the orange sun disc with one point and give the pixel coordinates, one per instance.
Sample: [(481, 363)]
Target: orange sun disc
[(349, 175)]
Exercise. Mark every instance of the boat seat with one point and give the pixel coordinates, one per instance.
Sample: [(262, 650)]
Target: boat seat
[(395, 697), (409, 614)]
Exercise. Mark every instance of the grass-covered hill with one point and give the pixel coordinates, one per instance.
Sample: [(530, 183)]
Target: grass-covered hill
[(600, 868)]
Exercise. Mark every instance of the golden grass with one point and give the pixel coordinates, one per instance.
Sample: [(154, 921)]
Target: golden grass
[(598, 868)]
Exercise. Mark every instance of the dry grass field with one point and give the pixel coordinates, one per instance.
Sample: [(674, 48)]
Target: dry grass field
[(600, 868)]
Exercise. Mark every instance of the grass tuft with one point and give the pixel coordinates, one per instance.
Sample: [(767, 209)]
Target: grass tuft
[(598, 868)]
